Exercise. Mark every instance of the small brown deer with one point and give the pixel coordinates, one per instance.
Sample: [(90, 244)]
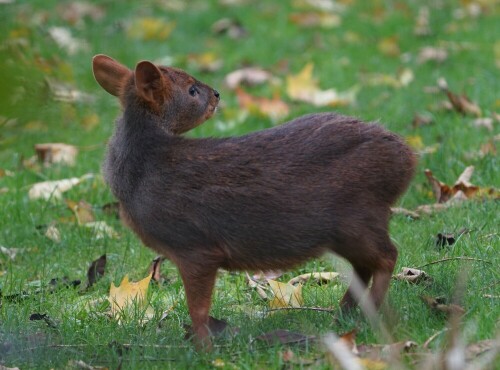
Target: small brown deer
[(266, 200)]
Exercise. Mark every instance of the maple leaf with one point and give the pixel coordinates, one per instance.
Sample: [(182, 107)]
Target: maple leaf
[(127, 294), (285, 295), (304, 87)]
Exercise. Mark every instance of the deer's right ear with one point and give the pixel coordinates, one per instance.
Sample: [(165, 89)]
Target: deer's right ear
[(109, 73)]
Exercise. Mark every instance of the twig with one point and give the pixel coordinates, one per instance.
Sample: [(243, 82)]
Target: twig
[(434, 336), (319, 309), (451, 259)]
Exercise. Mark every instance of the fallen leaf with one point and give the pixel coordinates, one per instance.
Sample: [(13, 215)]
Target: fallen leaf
[(127, 294), (102, 230), (339, 353), (74, 12), (485, 122), (304, 87), (403, 78), (63, 38), (316, 19), (420, 120), (205, 62), (462, 187), (422, 23), (275, 108), (9, 252), (281, 336), (263, 276), (56, 153), (229, 27), (404, 212), (96, 270), (249, 76), (388, 46), (52, 189), (285, 295), (412, 275), (53, 233), (461, 103), (433, 54), (319, 277), (415, 141), (438, 305), (82, 210), (475, 350), (388, 352), (150, 28), (154, 268), (65, 92)]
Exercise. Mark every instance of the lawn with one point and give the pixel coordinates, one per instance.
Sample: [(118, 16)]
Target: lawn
[(389, 61)]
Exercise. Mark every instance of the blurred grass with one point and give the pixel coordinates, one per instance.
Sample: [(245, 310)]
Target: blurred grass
[(343, 56)]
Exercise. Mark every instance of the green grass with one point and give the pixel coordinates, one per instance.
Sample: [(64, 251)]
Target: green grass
[(28, 56)]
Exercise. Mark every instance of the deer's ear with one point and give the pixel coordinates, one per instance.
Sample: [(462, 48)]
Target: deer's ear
[(110, 74), (149, 82)]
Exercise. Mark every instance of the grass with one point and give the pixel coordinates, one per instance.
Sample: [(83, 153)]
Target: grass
[(343, 56)]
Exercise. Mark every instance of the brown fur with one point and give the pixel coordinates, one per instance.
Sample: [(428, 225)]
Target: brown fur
[(266, 200)]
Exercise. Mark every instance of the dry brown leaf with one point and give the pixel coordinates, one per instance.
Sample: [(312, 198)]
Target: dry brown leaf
[(275, 108), (229, 27), (444, 193), (388, 352), (154, 268), (82, 210), (49, 153), (437, 304), (319, 277), (475, 350), (421, 120), (96, 270), (285, 295), (412, 275), (248, 76), (461, 103), (9, 252)]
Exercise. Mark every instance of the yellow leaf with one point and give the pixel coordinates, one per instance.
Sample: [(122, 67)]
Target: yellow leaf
[(150, 28), (389, 46), (127, 293), (273, 108), (285, 295), (415, 141), (304, 87)]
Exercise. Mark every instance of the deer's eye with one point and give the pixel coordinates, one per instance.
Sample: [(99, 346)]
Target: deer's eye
[(193, 90)]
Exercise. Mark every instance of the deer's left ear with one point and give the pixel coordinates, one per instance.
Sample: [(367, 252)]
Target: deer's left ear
[(150, 83)]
